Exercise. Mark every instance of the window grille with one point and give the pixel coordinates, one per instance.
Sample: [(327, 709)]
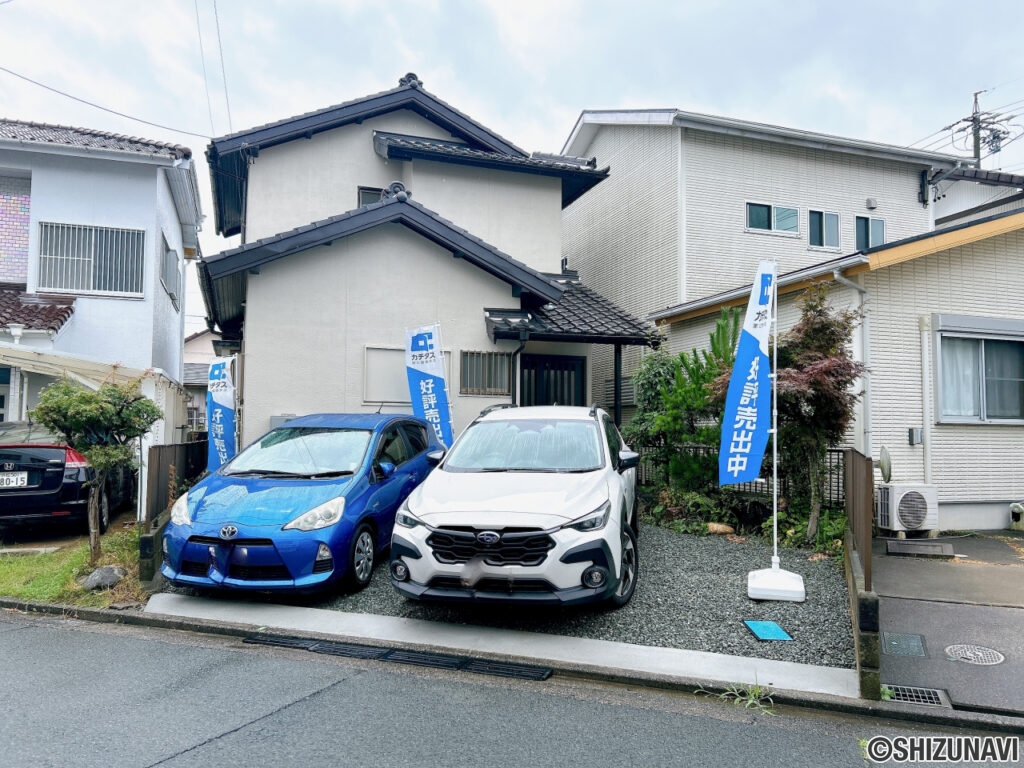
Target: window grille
[(486, 373), (82, 259)]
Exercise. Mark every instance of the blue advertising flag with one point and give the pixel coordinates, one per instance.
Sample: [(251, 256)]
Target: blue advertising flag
[(220, 414), (424, 365), (748, 403)]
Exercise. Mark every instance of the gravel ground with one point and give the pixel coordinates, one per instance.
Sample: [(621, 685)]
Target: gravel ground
[(692, 594)]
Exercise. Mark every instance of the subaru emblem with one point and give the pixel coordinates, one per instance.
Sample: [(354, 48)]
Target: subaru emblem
[(228, 532), (487, 538)]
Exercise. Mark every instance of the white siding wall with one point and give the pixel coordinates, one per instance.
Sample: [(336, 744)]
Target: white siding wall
[(168, 319), (723, 173), (976, 467), (304, 349)]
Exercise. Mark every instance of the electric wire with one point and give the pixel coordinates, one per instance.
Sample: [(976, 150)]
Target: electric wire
[(100, 107), (206, 79), (223, 73)]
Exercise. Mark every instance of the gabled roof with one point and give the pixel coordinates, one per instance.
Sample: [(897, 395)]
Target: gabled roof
[(590, 121), (21, 132), (581, 315), (228, 155), (35, 312), (222, 276), (578, 175), (879, 257)]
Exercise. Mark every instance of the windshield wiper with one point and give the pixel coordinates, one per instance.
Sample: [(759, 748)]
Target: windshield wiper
[(265, 473), (331, 473)]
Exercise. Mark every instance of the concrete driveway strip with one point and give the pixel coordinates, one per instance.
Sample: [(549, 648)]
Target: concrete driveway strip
[(616, 660)]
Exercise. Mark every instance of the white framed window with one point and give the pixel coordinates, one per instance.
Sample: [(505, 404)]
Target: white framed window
[(765, 217), (485, 373), (384, 376), (823, 229), (870, 232), (170, 274), (97, 260), (980, 369), (367, 195)]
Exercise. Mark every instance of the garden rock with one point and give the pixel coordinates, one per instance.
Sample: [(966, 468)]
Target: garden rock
[(104, 578), (720, 528)]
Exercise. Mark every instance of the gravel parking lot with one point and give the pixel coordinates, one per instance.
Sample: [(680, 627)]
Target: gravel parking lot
[(692, 594)]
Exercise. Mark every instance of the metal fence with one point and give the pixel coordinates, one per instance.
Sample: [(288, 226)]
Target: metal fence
[(835, 482)]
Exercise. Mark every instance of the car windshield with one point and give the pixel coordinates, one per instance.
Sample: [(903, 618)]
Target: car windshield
[(527, 445), (303, 451)]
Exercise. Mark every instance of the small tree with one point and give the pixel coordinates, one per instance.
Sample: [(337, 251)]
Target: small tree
[(815, 377), (99, 424)]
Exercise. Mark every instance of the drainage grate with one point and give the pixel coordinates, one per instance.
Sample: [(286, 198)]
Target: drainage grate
[(434, 660), (350, 651), (974, 654), (930, 697), (902, 644), (507, 670), (281, 642)]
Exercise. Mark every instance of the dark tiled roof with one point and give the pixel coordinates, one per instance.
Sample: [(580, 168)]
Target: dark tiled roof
[(581, 315), (196, 374), (35, 312), (998, 178), (578, 175), (86, 138)]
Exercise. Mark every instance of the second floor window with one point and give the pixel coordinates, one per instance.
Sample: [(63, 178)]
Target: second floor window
[(171, 274), (81, 259), (772, 218), (824, 229), (870, 232)]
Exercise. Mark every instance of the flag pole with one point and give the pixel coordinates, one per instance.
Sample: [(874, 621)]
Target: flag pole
[(774, 583)]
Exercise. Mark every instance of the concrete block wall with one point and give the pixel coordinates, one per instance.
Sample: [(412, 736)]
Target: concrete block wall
[(15, 198)]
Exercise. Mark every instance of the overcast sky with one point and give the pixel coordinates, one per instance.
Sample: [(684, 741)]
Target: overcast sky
[(895, 72)]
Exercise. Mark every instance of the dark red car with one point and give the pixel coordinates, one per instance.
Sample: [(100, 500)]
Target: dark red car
[(43, 479)]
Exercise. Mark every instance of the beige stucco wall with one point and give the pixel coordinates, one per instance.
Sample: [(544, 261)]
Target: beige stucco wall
[(309, 180), (311, 316)]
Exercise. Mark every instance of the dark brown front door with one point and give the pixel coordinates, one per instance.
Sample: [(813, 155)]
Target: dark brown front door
[(551, 379)]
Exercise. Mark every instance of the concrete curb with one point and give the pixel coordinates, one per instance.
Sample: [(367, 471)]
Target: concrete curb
[(797, 699)]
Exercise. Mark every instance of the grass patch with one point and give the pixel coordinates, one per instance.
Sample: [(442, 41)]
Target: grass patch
[(53, 577)]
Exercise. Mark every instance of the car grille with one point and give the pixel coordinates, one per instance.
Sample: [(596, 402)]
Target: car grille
[(323, 566), (517, 546), (259, 572), (493, 584), (193, 568), (207, 540)]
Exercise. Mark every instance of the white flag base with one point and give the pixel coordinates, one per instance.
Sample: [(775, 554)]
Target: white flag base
[(775, 584)]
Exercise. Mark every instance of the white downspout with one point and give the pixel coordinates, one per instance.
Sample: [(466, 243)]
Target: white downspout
[(924, 325), (865, 353)]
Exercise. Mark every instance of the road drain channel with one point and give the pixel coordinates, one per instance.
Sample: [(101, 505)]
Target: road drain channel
[(434, 660)]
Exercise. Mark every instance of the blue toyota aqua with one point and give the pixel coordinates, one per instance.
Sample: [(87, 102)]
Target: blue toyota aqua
[(308, 505)]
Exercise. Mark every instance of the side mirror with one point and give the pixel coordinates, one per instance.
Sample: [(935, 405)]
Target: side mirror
[(434, 457), (384, 470), (628, 460)]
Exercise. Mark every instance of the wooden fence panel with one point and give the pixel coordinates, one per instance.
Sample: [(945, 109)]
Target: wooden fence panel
[(860, 504), (188, 460)]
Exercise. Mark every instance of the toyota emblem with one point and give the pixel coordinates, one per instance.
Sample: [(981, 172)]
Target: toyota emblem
[(487, 538), (228, 532)]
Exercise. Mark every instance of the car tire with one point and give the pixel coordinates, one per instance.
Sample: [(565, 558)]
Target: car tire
[(629, 571), (104, 513), (360, 558)]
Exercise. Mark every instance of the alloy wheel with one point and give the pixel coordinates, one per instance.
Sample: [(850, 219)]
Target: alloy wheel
[(362, 556)]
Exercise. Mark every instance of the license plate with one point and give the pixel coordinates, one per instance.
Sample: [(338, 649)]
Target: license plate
[(13, 479)]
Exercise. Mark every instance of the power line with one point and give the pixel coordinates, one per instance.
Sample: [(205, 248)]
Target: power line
[(98, 106), (202, 58), (223, 74)]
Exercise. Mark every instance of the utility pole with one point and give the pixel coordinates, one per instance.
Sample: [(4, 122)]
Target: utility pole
[(976, 129)]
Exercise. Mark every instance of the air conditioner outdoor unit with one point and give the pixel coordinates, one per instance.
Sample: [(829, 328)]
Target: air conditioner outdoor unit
[(907, 507)]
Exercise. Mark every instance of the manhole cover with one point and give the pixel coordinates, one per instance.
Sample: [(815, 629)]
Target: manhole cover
[(902, 644), (974, 654)]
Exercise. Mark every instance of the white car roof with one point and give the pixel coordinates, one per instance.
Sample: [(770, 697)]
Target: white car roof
[(564, 412)]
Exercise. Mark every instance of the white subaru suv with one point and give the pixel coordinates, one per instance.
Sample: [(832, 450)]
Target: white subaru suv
[(530, 505)]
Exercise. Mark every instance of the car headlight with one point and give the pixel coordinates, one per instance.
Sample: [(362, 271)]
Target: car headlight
[(593, 521), (405, 518), (326, 514), (179, 512)]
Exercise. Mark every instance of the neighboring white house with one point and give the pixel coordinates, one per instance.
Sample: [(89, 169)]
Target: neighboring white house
[(383, 214), (199, 353), (943, 339), (694, 201)]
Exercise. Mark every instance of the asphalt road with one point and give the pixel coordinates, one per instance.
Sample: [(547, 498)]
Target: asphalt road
[(81, 694)]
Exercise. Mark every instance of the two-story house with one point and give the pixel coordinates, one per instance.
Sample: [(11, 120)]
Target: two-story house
[(926, 248), (94, 230), (387, 213)]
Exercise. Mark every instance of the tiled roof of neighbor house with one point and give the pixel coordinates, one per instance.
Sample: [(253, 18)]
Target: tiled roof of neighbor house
[(221, 276), (86, 138), (35, 312), (196, 374), (581, 315), (578, 175), (998, 178)]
